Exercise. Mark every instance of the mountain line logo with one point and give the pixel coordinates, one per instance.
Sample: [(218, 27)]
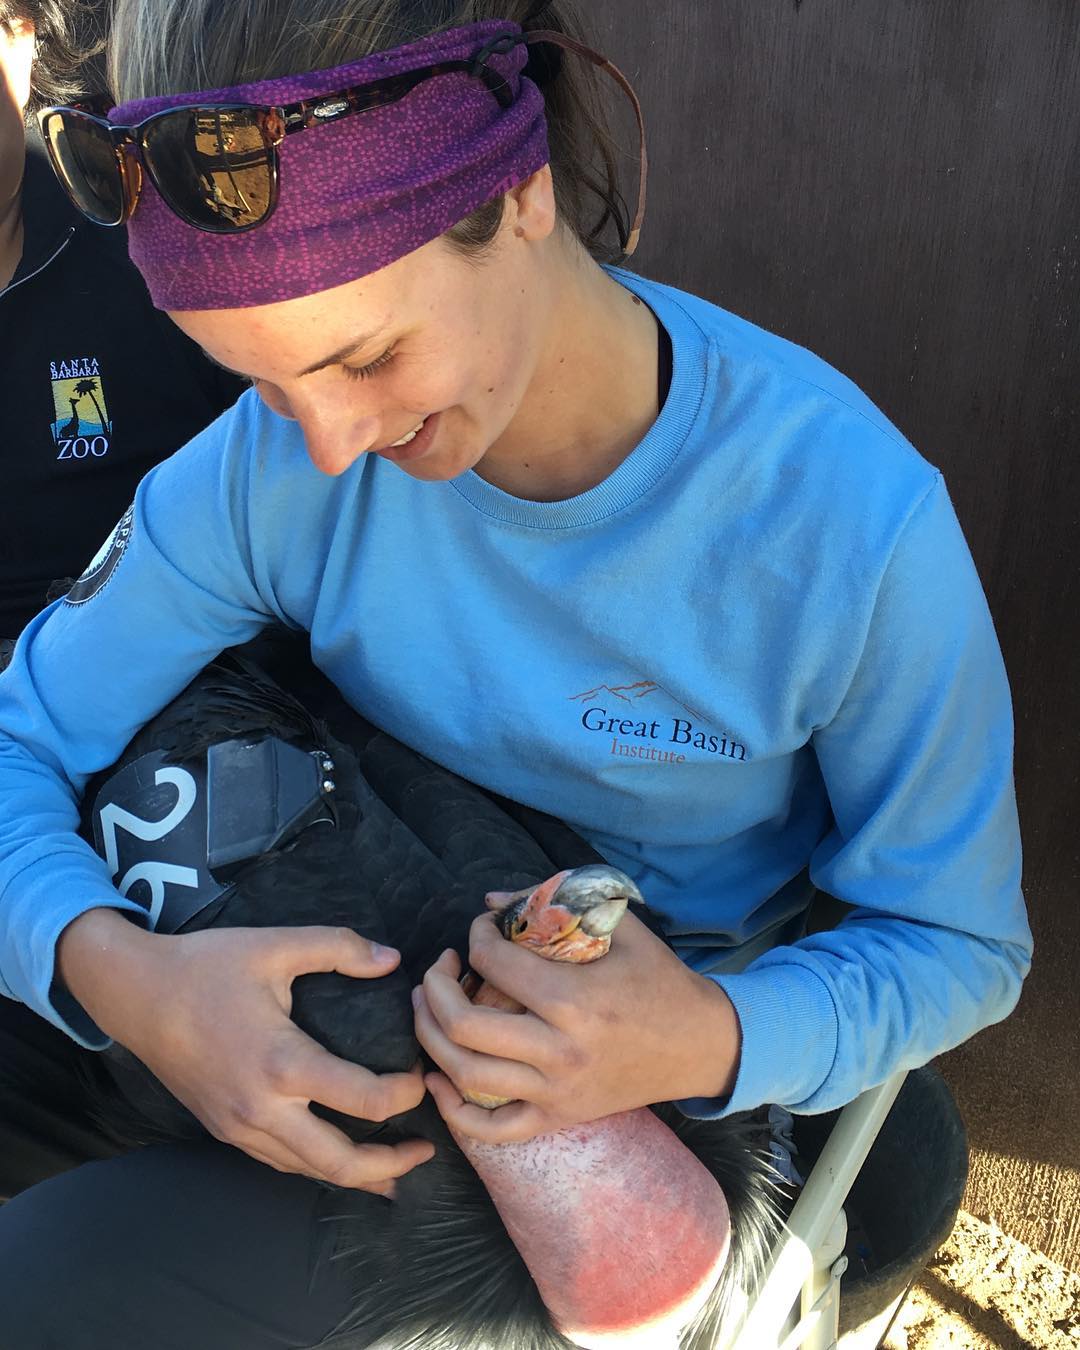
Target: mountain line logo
[(663, 739)]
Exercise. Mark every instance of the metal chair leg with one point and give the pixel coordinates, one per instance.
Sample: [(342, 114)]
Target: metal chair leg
[(807, 1263)]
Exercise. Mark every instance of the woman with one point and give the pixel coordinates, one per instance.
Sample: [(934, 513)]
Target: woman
[(588, 541), (101, 386)]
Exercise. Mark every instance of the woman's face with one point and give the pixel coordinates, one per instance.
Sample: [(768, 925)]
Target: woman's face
[(437, 344), (16, 59)]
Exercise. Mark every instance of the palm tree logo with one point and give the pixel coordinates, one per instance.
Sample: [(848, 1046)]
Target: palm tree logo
[(89, 389)]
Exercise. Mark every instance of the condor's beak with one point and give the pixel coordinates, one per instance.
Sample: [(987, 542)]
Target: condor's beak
[(599, 894)]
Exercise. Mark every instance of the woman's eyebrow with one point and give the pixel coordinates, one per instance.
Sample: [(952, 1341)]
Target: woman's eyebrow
[(353, 345)]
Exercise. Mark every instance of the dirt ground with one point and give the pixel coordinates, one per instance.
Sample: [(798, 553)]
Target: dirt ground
[(986, 1291)]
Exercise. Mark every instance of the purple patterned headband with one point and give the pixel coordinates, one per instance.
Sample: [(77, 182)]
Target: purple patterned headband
[(357, 194)]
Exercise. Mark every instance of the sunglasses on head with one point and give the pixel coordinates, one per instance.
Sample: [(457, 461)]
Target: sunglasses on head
[(216, 166)]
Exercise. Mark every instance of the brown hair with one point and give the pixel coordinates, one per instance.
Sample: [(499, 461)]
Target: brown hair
[(69, 42), (172, 46)]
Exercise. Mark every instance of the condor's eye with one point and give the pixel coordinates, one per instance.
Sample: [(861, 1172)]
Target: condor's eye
[(365, 372)]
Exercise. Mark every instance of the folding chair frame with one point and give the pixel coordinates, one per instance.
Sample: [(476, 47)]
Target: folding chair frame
[(797, 1303)]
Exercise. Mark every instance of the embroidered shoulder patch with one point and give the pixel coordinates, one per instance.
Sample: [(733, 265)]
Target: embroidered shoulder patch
[(104, 562), (81, 427)]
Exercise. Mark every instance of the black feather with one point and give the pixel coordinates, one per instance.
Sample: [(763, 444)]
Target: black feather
[(436, 1269)]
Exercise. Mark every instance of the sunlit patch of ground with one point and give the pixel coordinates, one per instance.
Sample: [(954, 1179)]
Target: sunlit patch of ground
[(986, 1291)]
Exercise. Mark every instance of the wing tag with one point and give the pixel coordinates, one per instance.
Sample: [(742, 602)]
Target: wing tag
[(175, 837), (150, 827)]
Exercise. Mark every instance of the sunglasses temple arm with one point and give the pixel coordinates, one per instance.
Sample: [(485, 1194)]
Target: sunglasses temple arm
[(610, 68)]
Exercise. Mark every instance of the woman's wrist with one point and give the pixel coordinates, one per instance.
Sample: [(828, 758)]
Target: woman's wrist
[(104, 962), (718, 1042)]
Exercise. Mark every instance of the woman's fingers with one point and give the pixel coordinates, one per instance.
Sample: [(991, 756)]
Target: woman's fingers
[(301, 1068), (487, 1030), (330, 1156), (536, 983), (277, 1127), (304, 951), (308, 1146), (509, 1124), (471, 1070)]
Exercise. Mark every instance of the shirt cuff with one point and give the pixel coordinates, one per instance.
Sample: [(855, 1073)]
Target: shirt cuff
[(30, 928), (69, 1015), (789, 1040)]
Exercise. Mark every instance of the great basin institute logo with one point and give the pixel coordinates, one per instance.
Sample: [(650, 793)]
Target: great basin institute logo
[(644, 722)]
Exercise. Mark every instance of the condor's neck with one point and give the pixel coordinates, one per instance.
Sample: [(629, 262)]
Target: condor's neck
[(623, 1230)]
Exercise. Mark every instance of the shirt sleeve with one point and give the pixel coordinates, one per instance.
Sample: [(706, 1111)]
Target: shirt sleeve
[(917, 762), (166, 593)]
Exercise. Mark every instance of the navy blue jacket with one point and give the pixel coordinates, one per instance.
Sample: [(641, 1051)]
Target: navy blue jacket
[(98, 387)]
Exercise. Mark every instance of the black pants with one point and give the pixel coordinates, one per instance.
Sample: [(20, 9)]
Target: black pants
[(169, 1247)]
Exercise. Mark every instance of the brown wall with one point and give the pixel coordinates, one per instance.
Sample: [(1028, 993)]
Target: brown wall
[(896, 185)]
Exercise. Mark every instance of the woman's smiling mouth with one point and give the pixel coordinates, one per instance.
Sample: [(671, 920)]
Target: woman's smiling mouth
[(414, 444), (410, 435)]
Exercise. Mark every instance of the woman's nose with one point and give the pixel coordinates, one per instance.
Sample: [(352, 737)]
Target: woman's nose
[(335, 436), (332, 447)]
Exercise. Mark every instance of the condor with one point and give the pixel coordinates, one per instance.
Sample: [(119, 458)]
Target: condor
[(334, 822)]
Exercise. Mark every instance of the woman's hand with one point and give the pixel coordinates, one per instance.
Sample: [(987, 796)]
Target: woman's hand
[(209, 1014), (635, 1027)]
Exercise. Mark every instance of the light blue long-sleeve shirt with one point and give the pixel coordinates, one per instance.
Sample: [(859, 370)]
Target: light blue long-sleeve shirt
[(756, 657)]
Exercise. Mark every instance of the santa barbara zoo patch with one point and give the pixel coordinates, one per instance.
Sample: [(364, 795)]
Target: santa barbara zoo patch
[(104, 562)]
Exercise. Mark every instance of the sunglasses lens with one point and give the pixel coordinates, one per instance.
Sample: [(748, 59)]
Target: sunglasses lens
[(86, 163), (214, 166)]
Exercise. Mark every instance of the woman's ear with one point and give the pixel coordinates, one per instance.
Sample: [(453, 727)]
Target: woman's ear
[(531, 206), (17, 40)]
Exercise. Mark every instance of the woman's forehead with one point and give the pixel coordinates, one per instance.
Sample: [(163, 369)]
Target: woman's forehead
[(312, 330)]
